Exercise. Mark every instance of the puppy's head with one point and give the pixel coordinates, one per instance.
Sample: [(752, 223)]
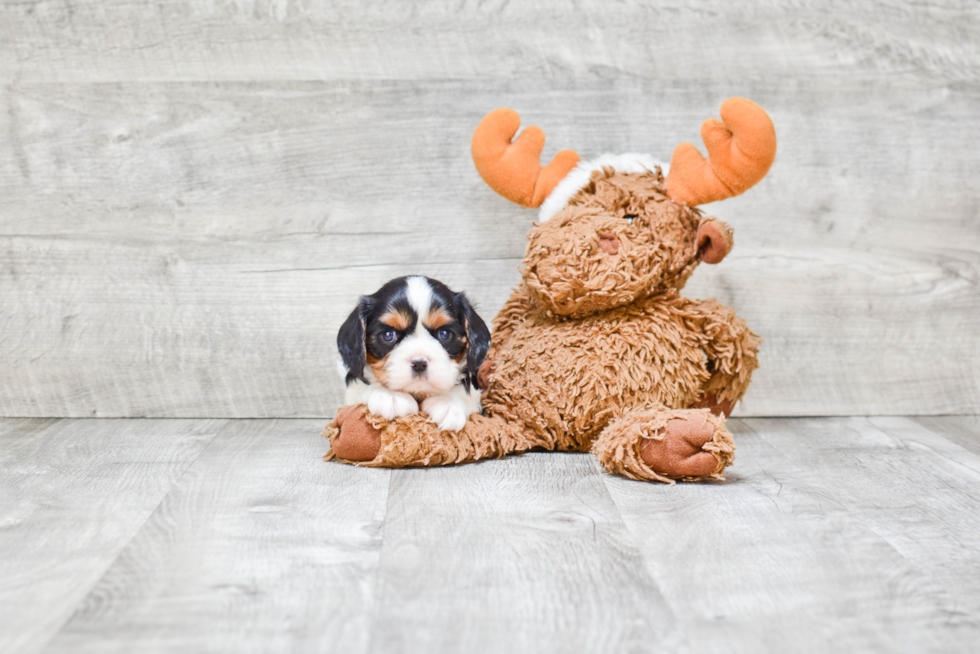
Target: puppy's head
[(416, 336)]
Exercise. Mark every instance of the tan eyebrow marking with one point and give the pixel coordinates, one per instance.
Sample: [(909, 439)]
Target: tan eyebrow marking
[(436, 319), (397, 319)]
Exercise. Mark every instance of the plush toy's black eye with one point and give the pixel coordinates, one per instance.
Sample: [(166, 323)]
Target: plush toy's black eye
[(444, 334), (388, 335), (630, 217)]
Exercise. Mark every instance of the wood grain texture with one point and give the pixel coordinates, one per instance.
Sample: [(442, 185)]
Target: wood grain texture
[(260, 547), (72, 495), (527, 554), (204, 40), (194, 194), (962, 430), (917, 492), (855, 532), (199, 536)]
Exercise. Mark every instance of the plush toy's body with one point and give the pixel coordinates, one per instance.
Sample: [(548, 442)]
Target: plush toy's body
[(596, 350), (565, 380)]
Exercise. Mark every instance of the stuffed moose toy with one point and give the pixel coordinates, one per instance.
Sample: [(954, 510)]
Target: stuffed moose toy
[(596, 349)]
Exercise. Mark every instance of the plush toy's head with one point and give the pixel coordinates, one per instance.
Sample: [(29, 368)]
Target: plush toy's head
[(614, 230)]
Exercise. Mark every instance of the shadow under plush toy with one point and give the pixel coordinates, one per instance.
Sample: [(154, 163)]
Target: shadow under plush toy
[(596, 350)]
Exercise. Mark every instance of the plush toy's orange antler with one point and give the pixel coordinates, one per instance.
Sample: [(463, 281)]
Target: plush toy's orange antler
[(514, 169), (741, 148)]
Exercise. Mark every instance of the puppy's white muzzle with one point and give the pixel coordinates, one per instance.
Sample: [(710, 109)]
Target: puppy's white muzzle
[(419, 364)]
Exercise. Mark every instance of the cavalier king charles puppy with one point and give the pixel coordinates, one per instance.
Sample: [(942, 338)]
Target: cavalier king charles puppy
[(414, 342)]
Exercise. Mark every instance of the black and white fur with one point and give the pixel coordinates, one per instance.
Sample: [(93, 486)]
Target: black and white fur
[(414, 342)]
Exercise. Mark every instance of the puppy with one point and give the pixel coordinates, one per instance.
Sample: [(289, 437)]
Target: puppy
[(414, 342)]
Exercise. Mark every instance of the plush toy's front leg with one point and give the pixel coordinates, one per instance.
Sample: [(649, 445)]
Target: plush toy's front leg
[(661, 444), (732, 349), (357, 436)]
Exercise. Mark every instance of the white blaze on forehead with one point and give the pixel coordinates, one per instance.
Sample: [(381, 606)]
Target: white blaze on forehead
[(420, 297), (578, 178)]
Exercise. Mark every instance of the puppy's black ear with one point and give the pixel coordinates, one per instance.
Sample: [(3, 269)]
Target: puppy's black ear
[(350, 341), (477, 337)]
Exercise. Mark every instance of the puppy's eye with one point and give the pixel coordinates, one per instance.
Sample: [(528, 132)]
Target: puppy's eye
[(444, 334), (630, 217), (388, 335)]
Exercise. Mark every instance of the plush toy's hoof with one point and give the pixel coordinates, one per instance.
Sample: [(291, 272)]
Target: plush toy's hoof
[(679, 453), (356, 438), (661, 444), (716, 406)]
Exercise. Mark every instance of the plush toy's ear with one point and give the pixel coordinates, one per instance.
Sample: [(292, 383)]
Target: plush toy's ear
[(715, 241), (350, 341), (741, 149), (477, 338), (514, 169)]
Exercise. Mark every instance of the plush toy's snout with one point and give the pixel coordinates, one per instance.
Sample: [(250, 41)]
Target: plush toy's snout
[(587, 260)]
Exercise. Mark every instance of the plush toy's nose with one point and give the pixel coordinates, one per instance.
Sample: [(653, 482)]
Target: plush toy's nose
[(608, 243), (419, 365)]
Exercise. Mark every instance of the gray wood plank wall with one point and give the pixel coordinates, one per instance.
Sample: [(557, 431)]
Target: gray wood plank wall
[(193, 194)]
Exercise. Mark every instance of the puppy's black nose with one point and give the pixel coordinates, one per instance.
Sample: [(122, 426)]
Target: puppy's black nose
[(419, 365)]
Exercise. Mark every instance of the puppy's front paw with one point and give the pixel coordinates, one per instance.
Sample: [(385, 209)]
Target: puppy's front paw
[(391, 404), (449, 413)]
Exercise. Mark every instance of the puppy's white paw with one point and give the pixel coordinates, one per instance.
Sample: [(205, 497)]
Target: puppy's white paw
[(448, 412), (391, 404)]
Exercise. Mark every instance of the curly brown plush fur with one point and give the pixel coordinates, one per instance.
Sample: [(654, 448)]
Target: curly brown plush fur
[(596, 350)]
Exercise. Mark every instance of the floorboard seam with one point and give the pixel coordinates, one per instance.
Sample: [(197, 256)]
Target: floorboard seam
[(858, 515), (376, 585), (56, 632)]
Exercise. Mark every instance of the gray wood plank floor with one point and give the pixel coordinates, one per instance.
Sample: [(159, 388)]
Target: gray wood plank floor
[(843, 534)]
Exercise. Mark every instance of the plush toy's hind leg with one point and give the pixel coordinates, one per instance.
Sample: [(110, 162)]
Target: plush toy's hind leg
[(661, 444), (357, 436)]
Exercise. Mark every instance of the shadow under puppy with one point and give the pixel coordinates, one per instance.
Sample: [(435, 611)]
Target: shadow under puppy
[(414, 343)]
